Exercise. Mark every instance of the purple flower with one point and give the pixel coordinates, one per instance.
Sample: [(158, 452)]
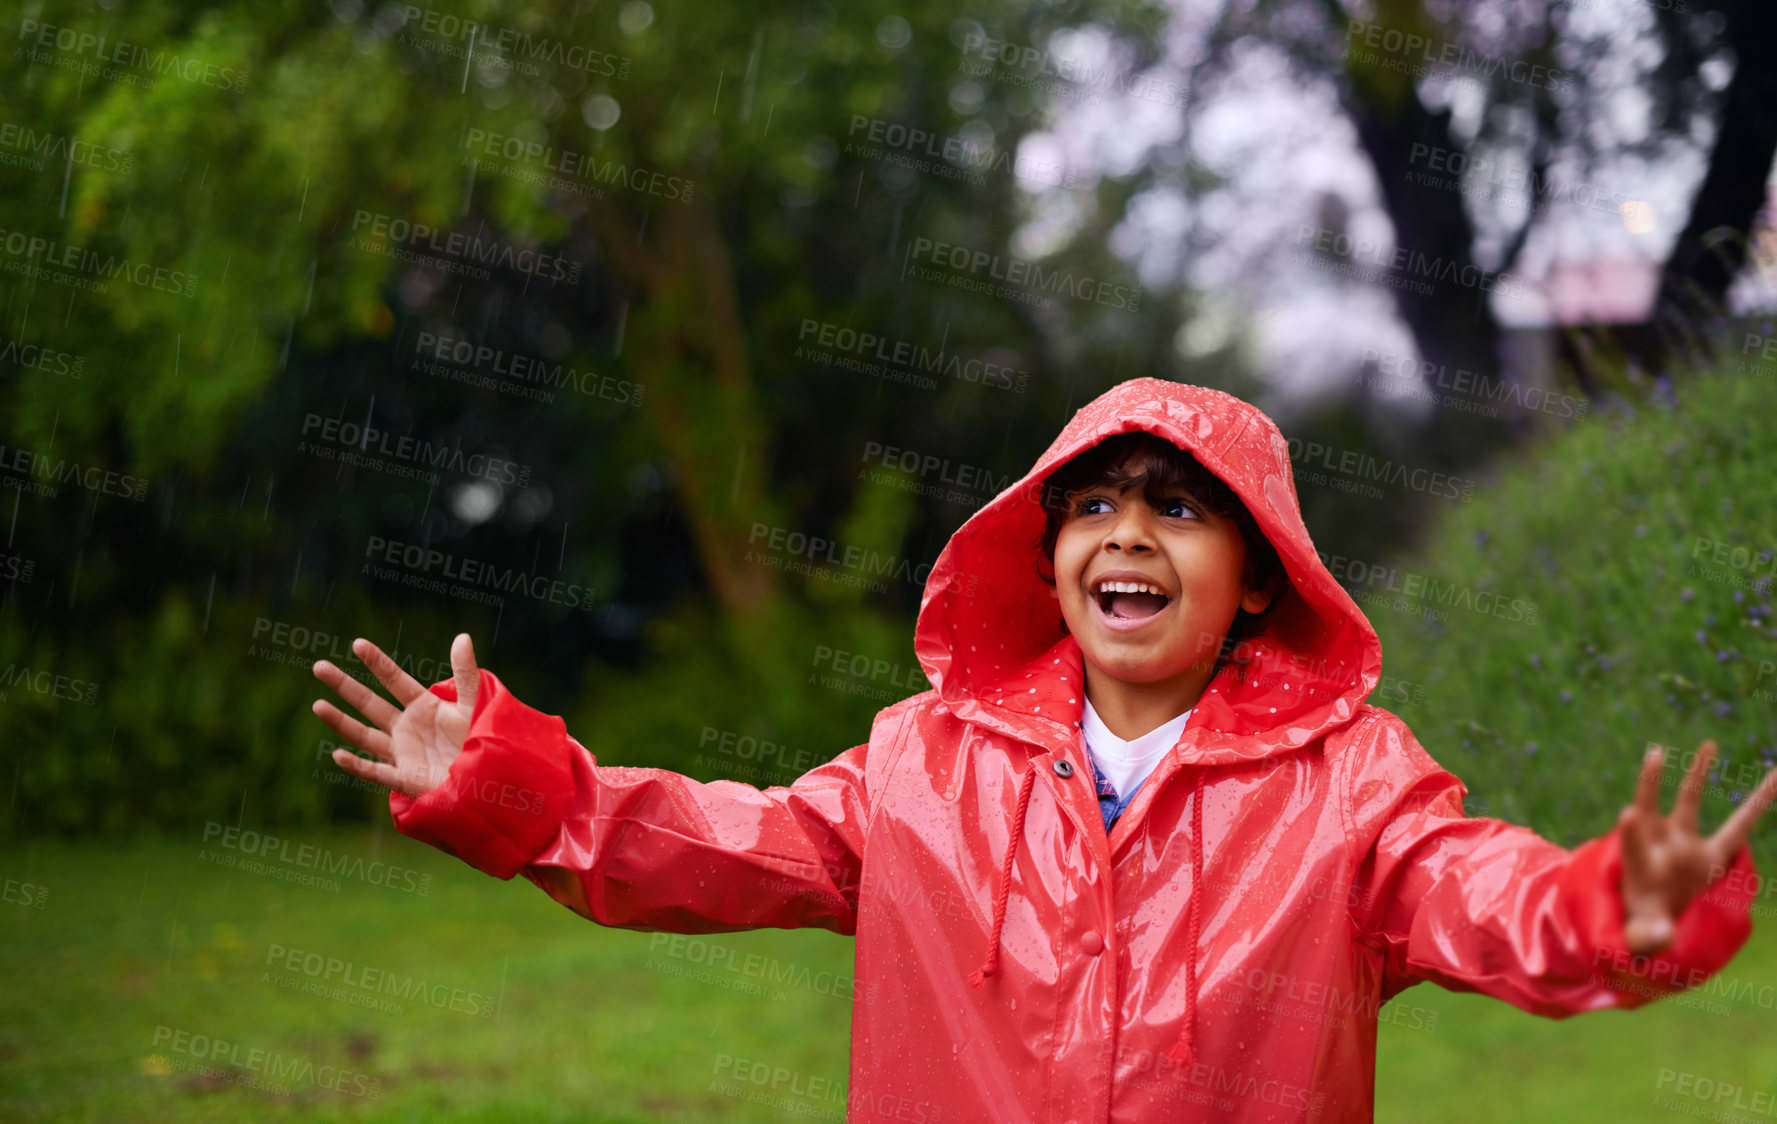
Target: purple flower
[(1686, 593)]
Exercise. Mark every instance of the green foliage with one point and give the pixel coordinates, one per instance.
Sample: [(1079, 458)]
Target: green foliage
[(802, 677), (201, 711), (805, 673), (1639, 635), (269, 152)]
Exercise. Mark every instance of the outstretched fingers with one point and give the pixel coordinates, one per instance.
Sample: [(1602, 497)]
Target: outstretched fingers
[(1727, 841), (403, 686), (464, 672), (373, 771), (1647, 925), (370, 704), (1647, 788), (371, 741), (1690, 793)]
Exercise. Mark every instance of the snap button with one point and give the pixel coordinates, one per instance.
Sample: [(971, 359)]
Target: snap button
[(1091, 943), (1064, 767)]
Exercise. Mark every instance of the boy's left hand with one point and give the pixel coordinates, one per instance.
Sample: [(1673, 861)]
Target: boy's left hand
[(1665, 862)]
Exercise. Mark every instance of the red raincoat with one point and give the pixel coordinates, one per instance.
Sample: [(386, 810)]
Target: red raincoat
[(1295, 860)]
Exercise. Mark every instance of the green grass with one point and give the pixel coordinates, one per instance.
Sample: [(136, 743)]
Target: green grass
[(134, 938), (131, 939)]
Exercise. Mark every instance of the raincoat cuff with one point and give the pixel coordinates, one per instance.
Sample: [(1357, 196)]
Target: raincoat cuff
[(505, 796), (1708, 933)]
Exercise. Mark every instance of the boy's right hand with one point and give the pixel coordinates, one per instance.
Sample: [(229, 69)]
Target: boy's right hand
[(413, 743)]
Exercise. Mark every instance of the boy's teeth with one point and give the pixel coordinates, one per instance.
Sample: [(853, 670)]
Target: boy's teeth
[(1128, 587)]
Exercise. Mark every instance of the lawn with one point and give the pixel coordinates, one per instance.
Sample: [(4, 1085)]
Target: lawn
[(370, 1000)]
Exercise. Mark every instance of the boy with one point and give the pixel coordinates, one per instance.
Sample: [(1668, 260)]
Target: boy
[(1142, 852)]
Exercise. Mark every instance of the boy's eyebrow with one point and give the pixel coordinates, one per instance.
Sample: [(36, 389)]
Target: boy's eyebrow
[(1192, 492)]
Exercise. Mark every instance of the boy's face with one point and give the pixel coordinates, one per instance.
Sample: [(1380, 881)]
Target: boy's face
[(1191, 555)]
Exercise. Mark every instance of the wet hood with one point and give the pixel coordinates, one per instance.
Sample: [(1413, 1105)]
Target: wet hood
[(986, 615)]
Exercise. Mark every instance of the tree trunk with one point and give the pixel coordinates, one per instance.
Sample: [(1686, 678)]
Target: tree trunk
[(1714, 245), (701, 399), (1454, 327)]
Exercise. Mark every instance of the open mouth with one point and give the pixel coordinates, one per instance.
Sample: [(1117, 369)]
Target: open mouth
[(1129, 601)]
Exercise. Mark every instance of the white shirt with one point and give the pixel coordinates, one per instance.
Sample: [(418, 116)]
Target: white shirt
[(1127, 763)]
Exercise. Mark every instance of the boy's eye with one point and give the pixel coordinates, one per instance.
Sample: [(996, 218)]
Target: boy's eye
[(1172, 508)]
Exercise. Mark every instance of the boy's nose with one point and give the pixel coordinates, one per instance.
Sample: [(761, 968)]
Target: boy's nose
[(1132, 531)]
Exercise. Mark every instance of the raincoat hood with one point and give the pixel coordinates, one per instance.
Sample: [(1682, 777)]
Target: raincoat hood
[(986, 614)]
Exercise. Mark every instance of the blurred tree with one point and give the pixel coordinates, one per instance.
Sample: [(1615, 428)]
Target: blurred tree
[(585, 242), (1540, 88), (1714, 246)]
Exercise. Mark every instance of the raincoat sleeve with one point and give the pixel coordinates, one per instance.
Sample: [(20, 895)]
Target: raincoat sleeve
[(643, 848), (1484, 905)]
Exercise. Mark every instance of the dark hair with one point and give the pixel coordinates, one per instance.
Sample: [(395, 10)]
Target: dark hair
[(1156, 466)]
